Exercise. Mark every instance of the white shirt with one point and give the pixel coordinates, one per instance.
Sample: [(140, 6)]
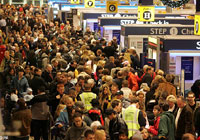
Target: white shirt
[(172, 109), (28, 97), (14, 97), (177, 116)]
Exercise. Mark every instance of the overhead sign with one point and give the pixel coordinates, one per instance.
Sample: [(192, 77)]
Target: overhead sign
[(133, 20), (112, 6), (197, 25), (157, 30), (146, 13), (177, 44), (96, 15), (75, 1), (89, 3)]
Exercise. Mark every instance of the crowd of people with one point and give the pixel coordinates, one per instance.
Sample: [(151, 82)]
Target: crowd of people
[(58, 82)]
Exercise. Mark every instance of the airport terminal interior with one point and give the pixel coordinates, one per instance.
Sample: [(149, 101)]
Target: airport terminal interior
[(99, 69)]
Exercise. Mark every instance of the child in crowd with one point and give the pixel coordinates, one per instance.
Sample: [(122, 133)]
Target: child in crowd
[(154, 129), (145, 134)]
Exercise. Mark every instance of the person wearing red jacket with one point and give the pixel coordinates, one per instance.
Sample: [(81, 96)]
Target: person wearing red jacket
[(154, 129), (132, 79)]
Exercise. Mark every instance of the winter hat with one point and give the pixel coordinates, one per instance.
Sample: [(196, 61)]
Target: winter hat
[(29, 90)]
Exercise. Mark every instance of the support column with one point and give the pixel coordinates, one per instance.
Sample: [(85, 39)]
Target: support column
[(41, 3), (10, 2), (33, 2)]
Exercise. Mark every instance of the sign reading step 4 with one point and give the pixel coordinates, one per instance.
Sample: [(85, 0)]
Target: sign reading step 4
[(146, 13), (112, 6), (89, 3), (75, 1)]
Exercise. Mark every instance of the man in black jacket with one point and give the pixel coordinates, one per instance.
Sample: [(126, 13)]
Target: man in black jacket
[(47, 74), (54, 99), (37, 81), (147, 77), (116, 124)]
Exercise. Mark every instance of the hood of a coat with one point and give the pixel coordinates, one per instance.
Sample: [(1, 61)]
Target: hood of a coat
[(84, 125)]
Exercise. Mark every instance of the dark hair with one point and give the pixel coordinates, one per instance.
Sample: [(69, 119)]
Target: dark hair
[(169, 78), (157, 107), (134, 100), (41, 89), (99, 68), (21, 69), (115, 84), (88, 132), (182, 98), (120, 73), (115, 103), (106, 72), (123, 131), (77, 114), (95, 103), (9, 70), (164, 105), (81, 78), (87, 87), (148, 69), (12, 90), (36, 70), (22, 104)]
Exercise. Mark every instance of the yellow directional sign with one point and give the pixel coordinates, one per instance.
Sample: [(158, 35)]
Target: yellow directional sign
[(197, 25), (112, 6), (75, 1), (89, 3), (146, 13)]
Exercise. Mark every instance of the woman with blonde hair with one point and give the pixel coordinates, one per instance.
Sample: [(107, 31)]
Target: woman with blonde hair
[(61, 106), (100, 135), (159, 72), (171, 99), (101, 63), (107, 79), (105, 97)]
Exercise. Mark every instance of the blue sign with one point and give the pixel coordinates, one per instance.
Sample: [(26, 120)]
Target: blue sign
[(101, 28), (187, 64), (95, 26), (116, 33)]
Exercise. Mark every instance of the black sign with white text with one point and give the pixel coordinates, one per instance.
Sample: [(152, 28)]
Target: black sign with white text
[(124, 21), (129, 30)]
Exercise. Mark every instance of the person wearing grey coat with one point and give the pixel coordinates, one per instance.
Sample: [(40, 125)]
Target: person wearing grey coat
[(78, 128), (40, 115)]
